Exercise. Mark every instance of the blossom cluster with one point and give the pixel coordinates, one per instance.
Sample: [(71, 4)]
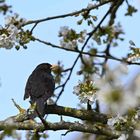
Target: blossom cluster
[(113, 95), (125, 123), (86, 91), (123, 137), (70, 38), (134, 55), (9, 35), (14, 20), (114, 122)]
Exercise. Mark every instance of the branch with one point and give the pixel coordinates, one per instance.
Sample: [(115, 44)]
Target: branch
[(114, 8), (77, 113), (85, 115), (76, 126), (87, 53), (67, 15)]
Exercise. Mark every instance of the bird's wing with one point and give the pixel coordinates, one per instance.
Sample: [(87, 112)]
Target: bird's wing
[(39, 86), (49, 86), (33, 86)]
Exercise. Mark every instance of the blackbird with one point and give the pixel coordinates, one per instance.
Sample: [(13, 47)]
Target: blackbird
[(39, 87)]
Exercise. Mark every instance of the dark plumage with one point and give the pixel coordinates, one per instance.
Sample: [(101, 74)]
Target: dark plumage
[(40, 86)]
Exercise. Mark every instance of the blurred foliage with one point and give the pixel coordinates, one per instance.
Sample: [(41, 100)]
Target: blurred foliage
[(58, 73), (34, 135), (10, 132), (108, 34), (4, 8), (130, 10)]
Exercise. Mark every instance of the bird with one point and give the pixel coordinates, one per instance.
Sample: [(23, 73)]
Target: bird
[(40, 87)]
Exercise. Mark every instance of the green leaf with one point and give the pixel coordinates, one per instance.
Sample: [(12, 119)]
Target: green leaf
[(17, 47), (130, 10)]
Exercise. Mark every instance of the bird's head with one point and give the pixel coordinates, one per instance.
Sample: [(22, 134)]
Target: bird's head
[(46, 67)]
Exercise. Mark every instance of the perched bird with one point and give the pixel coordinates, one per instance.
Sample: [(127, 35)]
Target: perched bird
[(40, 86)]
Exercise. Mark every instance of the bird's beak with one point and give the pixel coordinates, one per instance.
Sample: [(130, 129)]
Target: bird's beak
[(54, 67)]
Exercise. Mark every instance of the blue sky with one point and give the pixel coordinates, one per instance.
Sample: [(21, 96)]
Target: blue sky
[(16, 66)]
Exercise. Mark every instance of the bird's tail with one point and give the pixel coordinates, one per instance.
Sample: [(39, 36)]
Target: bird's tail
[(40, 106), (37, 108)]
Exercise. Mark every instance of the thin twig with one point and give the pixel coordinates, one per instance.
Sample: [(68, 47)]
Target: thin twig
[(114, 8), (41, 118), (66, 133), (33, 27)]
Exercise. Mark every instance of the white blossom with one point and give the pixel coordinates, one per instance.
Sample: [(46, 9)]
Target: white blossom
[(70, 38), (76, 89), (92, 98), (86, 92), (50, 102), (82, 37), (118, 101), (134, 86), (113, 96), (14, 19), (8, 40), (64, 31), (137, 133), (65, 42), (123, 137), (8, 20), (114, 120), (9, 34), (111, 122), (133, 57), (90, 5), (69, 45)]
